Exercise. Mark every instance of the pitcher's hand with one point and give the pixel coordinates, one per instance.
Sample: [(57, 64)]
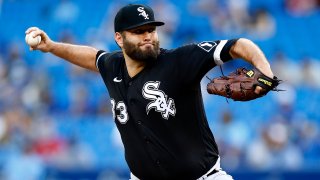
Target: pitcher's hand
[(45, 44)]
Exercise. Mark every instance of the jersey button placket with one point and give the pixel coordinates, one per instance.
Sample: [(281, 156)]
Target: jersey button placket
[(158, 162), (146, 139), (132, 102)]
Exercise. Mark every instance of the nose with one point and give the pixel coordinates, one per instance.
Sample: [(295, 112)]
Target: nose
[(147, 36)]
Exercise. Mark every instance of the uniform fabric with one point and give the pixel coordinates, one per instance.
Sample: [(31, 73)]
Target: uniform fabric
[(159, 112), (220, 175)]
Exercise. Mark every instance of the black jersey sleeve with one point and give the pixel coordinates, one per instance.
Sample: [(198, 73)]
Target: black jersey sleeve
[(195, 60), (101, 57), (104, 61)]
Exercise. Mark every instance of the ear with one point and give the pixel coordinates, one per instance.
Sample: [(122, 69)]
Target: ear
[(119, 39)]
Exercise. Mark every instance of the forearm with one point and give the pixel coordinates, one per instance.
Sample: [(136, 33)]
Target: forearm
[(250, 52), (83, 56)]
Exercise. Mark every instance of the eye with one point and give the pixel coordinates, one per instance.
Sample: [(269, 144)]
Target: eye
[(142, 31), (151, 30), (138, 31)]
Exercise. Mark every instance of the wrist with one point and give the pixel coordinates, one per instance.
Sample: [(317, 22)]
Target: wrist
[(266, 70), (51, 46)]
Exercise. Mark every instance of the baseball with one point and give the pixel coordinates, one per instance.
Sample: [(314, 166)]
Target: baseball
[(32, 41)]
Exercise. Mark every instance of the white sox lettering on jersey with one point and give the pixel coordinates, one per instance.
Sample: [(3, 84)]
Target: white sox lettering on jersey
[(160, 102)]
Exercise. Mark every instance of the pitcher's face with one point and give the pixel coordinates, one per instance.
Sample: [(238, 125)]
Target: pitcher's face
[(141, 43)]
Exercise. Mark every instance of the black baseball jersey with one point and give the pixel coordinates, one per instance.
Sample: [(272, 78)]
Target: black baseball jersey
[(159, 112)]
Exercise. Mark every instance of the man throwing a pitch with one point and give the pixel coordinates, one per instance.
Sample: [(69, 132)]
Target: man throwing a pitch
[(156, 96)]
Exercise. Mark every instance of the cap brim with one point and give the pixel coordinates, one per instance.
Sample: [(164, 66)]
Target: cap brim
[(154, 23)]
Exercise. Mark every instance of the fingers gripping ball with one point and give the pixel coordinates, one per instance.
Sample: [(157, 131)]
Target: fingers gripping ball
[(240, 85), (32, 41)]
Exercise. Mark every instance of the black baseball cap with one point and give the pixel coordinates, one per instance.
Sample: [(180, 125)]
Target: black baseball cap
[(134, 15)]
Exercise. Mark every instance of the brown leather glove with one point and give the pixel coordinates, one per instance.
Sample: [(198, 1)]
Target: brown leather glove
[(241, 84)]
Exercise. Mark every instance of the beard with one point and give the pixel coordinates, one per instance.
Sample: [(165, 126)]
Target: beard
[(136, 53)]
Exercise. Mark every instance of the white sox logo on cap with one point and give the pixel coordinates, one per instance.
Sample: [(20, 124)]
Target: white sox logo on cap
[(143, 12), (133, 16)]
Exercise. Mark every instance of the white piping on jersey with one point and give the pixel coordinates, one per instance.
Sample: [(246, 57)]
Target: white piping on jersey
[(217, 52), (99, 58)]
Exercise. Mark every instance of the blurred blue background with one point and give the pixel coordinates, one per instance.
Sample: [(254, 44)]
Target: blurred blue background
[(55, 118)]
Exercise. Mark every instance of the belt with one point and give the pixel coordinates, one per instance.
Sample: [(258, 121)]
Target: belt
[(212, 172), (209, 174)]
